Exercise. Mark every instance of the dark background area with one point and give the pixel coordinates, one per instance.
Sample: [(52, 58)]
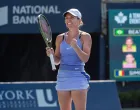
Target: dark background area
[(23, 58)]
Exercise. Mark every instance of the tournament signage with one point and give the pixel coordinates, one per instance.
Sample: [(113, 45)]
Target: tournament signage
[(30, 13), (23, 18), (43, 96), (28, 96), (20, 16), (124, 44)]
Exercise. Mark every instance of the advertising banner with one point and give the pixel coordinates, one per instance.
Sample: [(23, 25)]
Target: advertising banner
[(124, 46), (43, 96), (28, 96), (20, 16)]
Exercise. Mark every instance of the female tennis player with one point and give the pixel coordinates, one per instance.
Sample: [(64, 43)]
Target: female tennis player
[(72, 52)]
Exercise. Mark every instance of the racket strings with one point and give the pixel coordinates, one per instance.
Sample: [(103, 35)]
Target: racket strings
[(45, 28)]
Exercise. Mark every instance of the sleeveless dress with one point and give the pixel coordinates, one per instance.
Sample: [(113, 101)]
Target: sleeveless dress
[(71, 73)]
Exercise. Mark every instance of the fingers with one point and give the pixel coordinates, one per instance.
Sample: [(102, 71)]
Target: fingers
[(48, 48), (73, 43), (49, 51)]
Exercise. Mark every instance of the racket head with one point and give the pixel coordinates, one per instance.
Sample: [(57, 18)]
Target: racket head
[(45, 29)]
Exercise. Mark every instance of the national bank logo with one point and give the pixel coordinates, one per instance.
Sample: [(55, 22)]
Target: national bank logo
[(4, 15), (120, 18)]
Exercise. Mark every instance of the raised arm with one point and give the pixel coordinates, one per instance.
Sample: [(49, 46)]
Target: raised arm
[(84, 53)]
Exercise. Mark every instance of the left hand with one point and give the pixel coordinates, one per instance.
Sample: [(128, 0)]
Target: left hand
[(73, 43)]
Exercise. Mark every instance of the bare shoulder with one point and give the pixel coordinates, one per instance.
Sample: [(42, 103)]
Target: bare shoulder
[(85, 35), (59, 38)]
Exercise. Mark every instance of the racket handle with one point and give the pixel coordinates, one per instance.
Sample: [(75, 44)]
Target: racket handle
[(52, 62)]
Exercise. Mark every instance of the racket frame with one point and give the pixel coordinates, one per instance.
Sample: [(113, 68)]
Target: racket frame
[(48, 43)]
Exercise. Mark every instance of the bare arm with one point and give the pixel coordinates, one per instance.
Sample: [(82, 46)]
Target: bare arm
[(84, 54), (57, 55)]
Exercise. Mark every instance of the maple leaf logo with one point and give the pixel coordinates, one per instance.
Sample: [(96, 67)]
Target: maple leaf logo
[(120, 18)]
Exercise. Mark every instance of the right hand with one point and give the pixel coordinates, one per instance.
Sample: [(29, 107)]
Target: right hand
[(49, 51)]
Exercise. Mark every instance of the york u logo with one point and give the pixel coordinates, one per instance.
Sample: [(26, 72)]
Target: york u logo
[(45, 98)]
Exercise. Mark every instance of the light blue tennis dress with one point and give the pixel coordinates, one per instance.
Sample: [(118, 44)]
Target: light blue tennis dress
[(71, 73)]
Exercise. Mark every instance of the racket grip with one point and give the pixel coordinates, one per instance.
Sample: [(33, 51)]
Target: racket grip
[(52, 62)]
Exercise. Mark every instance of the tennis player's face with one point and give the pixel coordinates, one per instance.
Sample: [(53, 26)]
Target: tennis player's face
[(129, 58), (71, 21), (129, 42)]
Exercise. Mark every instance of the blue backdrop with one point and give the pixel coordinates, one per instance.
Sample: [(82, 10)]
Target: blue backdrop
[(20, 16), (102, 95)]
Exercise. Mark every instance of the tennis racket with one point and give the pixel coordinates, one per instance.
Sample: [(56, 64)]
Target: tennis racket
[(46, 33)]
